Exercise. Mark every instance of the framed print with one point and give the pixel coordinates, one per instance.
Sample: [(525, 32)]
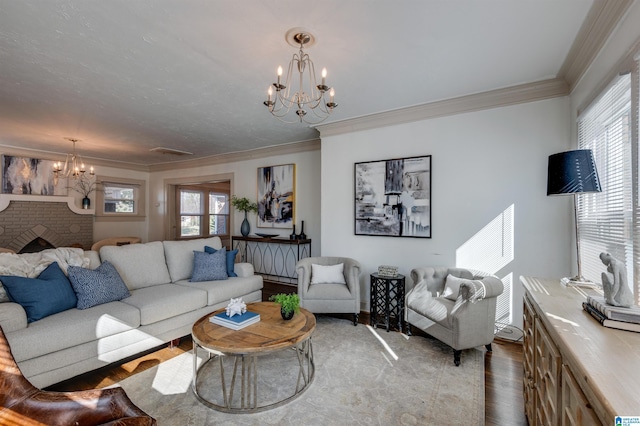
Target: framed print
[(22, 175), (393, 197), (276, 196)]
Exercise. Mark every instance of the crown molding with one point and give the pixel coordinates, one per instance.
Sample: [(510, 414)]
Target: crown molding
[(492, 99), (290, 148), (56, 156), (601, 21)]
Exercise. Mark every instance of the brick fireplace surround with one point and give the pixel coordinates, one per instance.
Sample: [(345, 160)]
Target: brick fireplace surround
[(56, 220)]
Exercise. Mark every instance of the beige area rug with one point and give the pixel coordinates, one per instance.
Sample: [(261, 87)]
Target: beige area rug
[(364, 376)]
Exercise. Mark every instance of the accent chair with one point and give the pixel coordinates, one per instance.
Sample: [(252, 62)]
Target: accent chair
[(456, 306), (329, 285)]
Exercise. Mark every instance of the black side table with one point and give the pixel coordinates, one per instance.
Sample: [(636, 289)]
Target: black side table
[(387, 301)]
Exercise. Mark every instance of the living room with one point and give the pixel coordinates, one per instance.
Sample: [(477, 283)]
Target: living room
[(489, 166)]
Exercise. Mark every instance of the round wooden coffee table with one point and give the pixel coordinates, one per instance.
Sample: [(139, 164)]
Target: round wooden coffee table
[(243, 347)]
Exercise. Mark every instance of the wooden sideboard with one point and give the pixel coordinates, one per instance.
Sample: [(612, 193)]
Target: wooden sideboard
[(576, 372)]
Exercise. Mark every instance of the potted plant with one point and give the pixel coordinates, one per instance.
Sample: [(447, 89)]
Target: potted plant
[(289, 304), (85, 186), (244, 205)]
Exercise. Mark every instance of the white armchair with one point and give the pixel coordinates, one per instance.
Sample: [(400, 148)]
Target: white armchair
[(454, 305), (331, 293)]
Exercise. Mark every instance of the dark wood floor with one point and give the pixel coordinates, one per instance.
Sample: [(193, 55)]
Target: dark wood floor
[(503, 379), (504, 404)]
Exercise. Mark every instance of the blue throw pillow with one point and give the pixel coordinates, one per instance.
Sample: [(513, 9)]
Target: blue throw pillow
[(40, 297), (97, 286), (231, 259), (209, 266)]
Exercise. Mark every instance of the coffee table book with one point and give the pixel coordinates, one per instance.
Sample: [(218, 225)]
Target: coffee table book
[(617, 313), (602, 319), (235, 322)]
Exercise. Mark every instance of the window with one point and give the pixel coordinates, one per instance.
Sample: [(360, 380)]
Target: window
[(120, 199), (608, 221), (203, 211)]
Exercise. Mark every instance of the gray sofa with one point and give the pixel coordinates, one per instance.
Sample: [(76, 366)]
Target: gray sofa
[(163, 306)]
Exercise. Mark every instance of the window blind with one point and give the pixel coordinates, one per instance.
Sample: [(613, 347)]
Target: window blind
[(606, 220)]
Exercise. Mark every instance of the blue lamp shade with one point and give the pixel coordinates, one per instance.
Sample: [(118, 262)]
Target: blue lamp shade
[(572, 172)]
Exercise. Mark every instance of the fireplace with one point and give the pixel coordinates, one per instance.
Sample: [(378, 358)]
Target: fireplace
[(45, 222)]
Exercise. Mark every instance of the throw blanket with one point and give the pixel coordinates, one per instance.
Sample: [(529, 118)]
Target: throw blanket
[(30, 265)]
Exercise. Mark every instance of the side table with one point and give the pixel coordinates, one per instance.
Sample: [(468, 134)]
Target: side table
[(387, 301)]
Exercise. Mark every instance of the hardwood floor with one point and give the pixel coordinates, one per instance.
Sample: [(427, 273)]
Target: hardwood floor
[(503, 378), (504, 403)]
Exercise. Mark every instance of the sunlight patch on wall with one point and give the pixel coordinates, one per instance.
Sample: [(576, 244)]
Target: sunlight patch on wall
[(491, 248)]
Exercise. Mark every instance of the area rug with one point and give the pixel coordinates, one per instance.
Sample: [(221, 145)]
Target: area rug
[(364, 376)]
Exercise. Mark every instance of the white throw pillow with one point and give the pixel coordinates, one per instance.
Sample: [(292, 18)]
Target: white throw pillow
[(330, 274), (452, 287)]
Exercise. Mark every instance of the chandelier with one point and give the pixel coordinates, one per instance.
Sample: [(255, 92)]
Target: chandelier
[(73, 165), (309, 101)]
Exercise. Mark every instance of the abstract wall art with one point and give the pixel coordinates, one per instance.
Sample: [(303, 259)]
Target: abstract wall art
[(22, 175), (276, 196), (393, 197)]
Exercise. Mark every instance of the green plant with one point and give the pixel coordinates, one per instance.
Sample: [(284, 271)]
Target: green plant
[(288, 302), (243, 204)]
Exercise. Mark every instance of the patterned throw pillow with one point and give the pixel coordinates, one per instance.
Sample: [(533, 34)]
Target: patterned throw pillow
[(231, 259), (40, 297), (97, 286), (209, 266)]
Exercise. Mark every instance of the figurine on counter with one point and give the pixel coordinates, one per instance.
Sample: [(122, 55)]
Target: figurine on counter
[(614, 282)]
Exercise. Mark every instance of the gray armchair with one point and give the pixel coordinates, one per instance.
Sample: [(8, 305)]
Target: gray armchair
[(330, 297), (462, 322)]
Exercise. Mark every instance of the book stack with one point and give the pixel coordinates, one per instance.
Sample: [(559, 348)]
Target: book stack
[(613, 316), (235, 322)]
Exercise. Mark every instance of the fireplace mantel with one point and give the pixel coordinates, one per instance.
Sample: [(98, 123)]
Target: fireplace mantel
[(5, 199)]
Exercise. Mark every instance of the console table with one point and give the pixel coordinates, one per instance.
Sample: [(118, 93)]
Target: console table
[(274, 258), (576, 372)]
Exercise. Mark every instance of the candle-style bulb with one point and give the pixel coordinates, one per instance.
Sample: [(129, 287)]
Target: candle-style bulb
[(324, 75)]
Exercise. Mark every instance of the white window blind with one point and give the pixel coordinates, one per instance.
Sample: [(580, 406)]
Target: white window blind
[(606, 220)]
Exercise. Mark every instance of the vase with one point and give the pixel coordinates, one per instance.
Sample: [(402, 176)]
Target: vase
[(245, 228), (86, 203), (302, 235), (286, 315), (293, 234)]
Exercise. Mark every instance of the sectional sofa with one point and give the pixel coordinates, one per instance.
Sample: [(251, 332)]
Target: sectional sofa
[(162, 305)]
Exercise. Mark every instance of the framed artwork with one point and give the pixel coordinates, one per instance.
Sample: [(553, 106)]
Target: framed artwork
[(22, 175), (276, 196), (393, 197)]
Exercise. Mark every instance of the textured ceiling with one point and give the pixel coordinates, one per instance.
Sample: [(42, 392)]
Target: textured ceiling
[(127, 76)]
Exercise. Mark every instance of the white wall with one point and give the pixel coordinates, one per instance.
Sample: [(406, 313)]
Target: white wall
[(482, 163), (244, 184)]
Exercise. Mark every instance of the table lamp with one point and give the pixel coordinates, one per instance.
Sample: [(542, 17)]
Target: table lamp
[(573, 172)]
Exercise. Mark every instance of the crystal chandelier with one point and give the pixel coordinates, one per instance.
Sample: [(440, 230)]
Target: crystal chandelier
[(73, 165), (309, 102)]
